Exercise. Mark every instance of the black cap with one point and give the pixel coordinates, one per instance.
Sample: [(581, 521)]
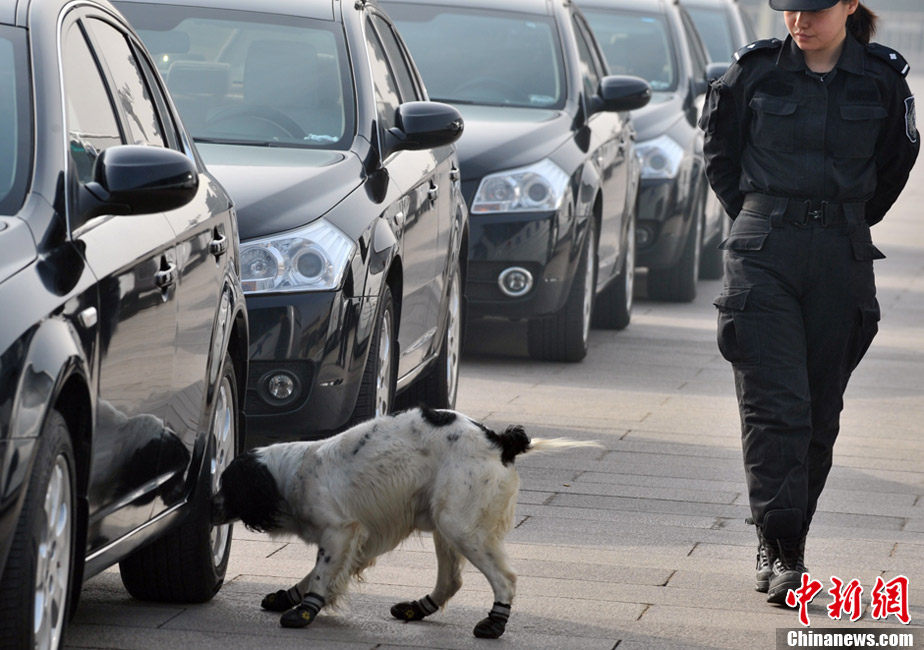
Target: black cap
[(802, 5)]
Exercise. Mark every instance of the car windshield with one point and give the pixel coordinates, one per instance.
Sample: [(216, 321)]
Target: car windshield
[(471, 56), (15, 124), (251, 78), (715, 30), (636, 44)]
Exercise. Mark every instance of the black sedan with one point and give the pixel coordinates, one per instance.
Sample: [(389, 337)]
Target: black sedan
[(123, 331), (346, 182), (656, 39), (548, 165)]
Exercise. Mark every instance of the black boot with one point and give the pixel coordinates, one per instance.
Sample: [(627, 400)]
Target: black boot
[(788, 568), (766, 556)]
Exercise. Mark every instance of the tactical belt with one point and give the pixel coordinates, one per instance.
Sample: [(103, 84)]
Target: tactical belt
[(801, 211)]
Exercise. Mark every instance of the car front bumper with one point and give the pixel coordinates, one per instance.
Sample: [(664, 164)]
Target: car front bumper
[(317, 339), (662, 223), (540, 243)]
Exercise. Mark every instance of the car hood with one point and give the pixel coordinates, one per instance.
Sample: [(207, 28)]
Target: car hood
[(276, 189), (17, 248), (658, 115), (498, 138)]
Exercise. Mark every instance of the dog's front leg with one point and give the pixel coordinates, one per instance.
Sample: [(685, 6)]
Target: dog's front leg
[(329, 577)]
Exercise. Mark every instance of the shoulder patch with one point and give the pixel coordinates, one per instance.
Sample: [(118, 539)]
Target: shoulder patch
[(764, 44), (890, 56)]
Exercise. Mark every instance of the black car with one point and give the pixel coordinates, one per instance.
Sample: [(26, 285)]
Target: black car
[(722, 26), (346, 183), (548, 165), (656, 40), (123, 332)]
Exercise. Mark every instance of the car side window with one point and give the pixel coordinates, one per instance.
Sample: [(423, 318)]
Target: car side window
[(589, 73), (131, 89), (92, 126), (697, 51), (386, 91), (396, 55)]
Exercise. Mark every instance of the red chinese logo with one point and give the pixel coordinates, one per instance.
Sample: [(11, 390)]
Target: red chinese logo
[(891, 598), (803, 596)]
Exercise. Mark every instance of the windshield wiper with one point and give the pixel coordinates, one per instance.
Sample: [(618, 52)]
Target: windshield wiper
[(252, 143)]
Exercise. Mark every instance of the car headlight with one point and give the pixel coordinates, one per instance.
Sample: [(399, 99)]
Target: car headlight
[(660, 157), (534, 188), (313, 258)]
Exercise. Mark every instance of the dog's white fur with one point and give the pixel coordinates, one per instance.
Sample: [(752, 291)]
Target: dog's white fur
[(360, 493)]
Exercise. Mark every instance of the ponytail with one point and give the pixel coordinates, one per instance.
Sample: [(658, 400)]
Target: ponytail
[(862, 24)]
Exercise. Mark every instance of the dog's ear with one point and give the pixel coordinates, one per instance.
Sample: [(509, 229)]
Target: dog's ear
[(249, 492)]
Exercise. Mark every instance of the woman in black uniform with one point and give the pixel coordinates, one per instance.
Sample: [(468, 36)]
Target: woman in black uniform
[(808, 142)]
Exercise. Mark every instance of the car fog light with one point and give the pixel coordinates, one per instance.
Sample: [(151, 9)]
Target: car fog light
[(515, 281), (280, 386)]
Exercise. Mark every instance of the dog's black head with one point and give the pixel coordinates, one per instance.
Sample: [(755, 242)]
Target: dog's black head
[(248, 493)]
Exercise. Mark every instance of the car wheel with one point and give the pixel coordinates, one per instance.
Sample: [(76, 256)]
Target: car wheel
[(377, 389), (678, 283), (564, 336), (35, 588), (188, 565), (613, 309), (438, 387)]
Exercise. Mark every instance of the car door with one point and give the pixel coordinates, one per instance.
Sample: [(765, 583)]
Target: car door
[(203, 231), (134, 261), (416, 175), (609, 143)]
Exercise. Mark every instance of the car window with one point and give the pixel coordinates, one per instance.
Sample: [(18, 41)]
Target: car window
[(15, 125), (474, 56), (386, 90), (589, 73), (697, 49), (714, 28), (636, 44), (403, 77), (251, 78), (132, 92), (92, 126)]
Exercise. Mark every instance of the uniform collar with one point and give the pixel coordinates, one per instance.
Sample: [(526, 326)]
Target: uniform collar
[(851, 59)]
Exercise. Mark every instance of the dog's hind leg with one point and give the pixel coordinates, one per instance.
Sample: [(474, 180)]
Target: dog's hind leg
[(448, 582)]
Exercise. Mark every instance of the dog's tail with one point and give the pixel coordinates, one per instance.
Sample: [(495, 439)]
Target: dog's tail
[(514, 441)]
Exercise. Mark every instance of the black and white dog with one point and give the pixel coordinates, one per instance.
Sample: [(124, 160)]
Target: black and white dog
[(358, 494)]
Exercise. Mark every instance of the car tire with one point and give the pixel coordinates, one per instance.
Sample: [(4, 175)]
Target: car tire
[(564, 336), (377, 388), (613, 309), (40, 566), (678, 283), (438, 387), (188, 564)]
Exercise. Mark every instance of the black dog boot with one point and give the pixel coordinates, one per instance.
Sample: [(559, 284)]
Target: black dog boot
[(787, 569), (495, 624), (304, 613), (416, 610), (281, 601)]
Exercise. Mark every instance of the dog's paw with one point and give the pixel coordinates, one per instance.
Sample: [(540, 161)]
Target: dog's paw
[(278, 602), (300, 616), (408, 611), (495, 624)]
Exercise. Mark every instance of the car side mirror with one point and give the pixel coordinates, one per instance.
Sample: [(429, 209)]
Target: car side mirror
[(138, 179), (620, 93), (716, 70), (423, 125)]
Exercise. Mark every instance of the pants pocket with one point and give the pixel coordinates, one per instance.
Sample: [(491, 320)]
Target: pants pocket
[(865, 329), (737, 328)]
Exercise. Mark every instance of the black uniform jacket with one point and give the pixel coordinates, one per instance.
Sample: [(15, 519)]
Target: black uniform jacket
[(773, 126)]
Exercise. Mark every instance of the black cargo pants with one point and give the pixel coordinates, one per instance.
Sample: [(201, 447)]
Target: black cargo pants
[(797, 314)]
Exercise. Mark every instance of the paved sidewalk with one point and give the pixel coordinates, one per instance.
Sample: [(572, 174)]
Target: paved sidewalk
[(641, 545)]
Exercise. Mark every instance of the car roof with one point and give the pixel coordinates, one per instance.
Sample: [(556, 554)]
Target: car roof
[(718, 4), (543, 7), (302, 8), (659, 6)]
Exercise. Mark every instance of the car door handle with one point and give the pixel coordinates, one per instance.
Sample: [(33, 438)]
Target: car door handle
[(454, 174), (166, 277), (219, 245), (433, 192)]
